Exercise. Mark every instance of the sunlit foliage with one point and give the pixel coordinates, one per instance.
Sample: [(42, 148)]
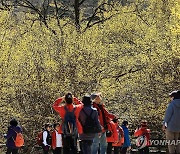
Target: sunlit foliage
[(132, 58)]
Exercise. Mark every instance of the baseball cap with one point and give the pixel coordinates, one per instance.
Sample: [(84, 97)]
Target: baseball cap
[(86, 100)]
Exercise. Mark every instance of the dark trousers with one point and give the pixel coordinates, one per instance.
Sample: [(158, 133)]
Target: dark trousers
[(116, 150), (45, 149), (69, 145), (57, 150), (123, 150), (12, 151), (109, 148), (86, 146), (144, 150)]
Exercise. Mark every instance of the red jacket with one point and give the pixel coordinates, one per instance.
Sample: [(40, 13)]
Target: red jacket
[(120, 136), (53, 144), (108, 115), (61, 110), (113, 129), (143, 131)]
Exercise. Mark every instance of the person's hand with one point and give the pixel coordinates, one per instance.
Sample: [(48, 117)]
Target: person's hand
[(53, 148), (74, 98), (99, 134), (63, 98), (5, 135), (122, 140), (129, 148), (163, 127)]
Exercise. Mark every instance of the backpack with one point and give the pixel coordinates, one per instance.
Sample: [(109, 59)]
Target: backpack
[(90, 125), (39, 138), (69, 127), (19, 141)]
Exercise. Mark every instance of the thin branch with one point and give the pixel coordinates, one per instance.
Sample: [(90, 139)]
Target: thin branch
[(82, 1), (5, 5), (96, 11), (99, 21), (41, 16), (45, 8), (138, 14), (57, 18), (129, 72)]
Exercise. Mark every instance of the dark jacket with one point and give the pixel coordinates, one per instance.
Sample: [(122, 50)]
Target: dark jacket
[(11, 136), (48, 139), (82, 118), (172, 116)]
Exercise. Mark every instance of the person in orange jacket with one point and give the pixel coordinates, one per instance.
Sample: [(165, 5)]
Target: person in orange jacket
[(73, 103), (103, 115), (56, 139), (117, 146), (143, 142), (111, 136), (72, 106)]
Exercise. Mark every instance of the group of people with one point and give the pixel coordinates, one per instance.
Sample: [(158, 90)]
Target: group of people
[(97, 130)]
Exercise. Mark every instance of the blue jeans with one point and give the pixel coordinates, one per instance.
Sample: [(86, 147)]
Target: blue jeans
[(99, 140)]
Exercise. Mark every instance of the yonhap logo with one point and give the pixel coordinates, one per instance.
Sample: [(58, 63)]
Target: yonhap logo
[(164, 142), (141, 142)]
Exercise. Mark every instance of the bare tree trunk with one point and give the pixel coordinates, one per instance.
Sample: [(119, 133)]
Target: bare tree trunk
[(77, 14)]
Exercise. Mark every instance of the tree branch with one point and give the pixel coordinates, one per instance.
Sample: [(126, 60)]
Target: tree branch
[(129, 72), (99, 9)]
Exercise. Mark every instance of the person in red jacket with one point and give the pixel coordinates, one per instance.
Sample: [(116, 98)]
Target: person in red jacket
[(143, 140), (104, 116), (112, 136), (117, 146), (56, 139), (72, 106)]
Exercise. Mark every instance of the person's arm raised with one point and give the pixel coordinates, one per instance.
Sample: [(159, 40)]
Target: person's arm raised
[(137, 132), (77, 101), (56, 103)]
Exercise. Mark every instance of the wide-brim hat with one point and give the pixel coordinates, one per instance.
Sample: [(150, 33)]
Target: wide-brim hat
[(94, 95)]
